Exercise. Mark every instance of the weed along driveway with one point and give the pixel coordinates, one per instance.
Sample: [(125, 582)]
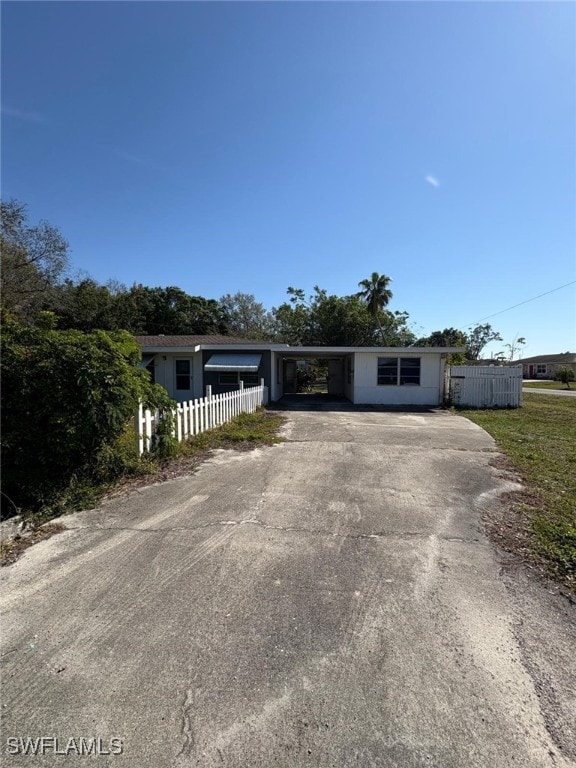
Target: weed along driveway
[(329, 601)]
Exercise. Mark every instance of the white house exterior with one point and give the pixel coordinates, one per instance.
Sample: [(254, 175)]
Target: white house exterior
[(395, 376)]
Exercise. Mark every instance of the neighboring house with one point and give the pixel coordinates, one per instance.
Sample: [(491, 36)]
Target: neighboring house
[(546, 366), (185, 365)]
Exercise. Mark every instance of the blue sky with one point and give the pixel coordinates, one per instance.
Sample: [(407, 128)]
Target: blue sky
[(240, 146)]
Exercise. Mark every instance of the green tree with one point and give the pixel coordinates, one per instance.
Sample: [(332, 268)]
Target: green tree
[(67, 397), (291, 320), (170, 311), (478, 338), (376, 294), (33, 260), (449, 337), (565, 374), (84, 306), (329, 320), (340, 321), (246, 317)]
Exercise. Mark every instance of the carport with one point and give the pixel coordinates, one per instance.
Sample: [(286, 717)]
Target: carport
[(396, 376), (340, 370)]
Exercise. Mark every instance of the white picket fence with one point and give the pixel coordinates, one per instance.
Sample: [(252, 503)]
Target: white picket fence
[(485, 386), (194, 416)]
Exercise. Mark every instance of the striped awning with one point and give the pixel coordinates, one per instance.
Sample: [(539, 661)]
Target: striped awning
[(231, 362)]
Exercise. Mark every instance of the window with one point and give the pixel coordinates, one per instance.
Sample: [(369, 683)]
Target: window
[(387, 370), (398, 370), (228, 378), (409, 370), (541, 368), (250, 379), (183, 375)]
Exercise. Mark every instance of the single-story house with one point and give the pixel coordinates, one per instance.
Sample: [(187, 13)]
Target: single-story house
[(546, 366), (185, 365)]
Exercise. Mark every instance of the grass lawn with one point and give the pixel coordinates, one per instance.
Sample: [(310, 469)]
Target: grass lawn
[(548, 385), (540, 441), (246, 431)]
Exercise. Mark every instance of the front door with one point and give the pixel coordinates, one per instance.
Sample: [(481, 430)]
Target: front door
[(183, 385), (336, 377)]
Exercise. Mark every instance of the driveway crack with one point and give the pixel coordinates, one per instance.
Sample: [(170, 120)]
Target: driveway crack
[(383, 534), (186, 724)]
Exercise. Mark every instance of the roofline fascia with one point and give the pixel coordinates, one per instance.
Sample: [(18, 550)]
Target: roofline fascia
[(303, 350)]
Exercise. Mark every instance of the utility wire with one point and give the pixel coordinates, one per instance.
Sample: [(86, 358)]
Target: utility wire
[(524, 302)]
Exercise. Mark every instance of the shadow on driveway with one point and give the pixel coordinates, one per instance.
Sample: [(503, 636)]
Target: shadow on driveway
[(322, 402)]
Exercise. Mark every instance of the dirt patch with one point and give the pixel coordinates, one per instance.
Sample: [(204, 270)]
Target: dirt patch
[(509, 526), (12, 548)]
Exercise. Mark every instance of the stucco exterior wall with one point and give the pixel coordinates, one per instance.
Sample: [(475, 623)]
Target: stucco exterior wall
[(165, 374), (368, 392)]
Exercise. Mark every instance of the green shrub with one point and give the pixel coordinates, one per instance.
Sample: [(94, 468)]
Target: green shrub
[(67, 398), (565, 375)]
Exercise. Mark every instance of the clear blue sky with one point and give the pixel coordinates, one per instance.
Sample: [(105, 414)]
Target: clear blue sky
[(227, 147)]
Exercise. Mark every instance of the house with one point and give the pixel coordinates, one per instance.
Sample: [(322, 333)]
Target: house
[(546, 366), (185, 365)]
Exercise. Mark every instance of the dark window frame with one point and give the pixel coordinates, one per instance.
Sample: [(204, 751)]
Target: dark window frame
[(250, 378), (222, 375), (399, 371), (183, 377)]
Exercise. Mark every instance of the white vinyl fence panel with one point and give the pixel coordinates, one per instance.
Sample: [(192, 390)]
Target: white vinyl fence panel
[(195, 416), (485, 386)]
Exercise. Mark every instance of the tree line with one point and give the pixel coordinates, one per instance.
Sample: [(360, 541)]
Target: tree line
[(37, 292)]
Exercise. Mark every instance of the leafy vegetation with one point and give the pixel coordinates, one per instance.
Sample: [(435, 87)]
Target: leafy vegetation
[(246, 431), (565, 374), (540, 441), (67, 398), (323, 319)]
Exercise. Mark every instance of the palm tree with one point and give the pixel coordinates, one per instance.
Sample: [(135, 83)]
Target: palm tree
[(376, 294)]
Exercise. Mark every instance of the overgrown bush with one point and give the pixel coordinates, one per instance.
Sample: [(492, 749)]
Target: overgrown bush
[(67, 400)]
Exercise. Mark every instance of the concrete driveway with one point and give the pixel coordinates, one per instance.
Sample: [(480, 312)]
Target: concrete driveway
[(561, 392), (331, 601)]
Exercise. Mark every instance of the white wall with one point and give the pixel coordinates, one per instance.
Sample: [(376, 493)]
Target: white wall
[(165, 373), (367, 391)]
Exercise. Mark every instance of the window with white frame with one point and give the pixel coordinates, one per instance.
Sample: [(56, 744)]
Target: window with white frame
[(395, 371)]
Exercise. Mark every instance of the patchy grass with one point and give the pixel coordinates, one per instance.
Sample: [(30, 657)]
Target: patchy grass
[(547, 385), (11, 549), (245, 432), (540, 441)]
